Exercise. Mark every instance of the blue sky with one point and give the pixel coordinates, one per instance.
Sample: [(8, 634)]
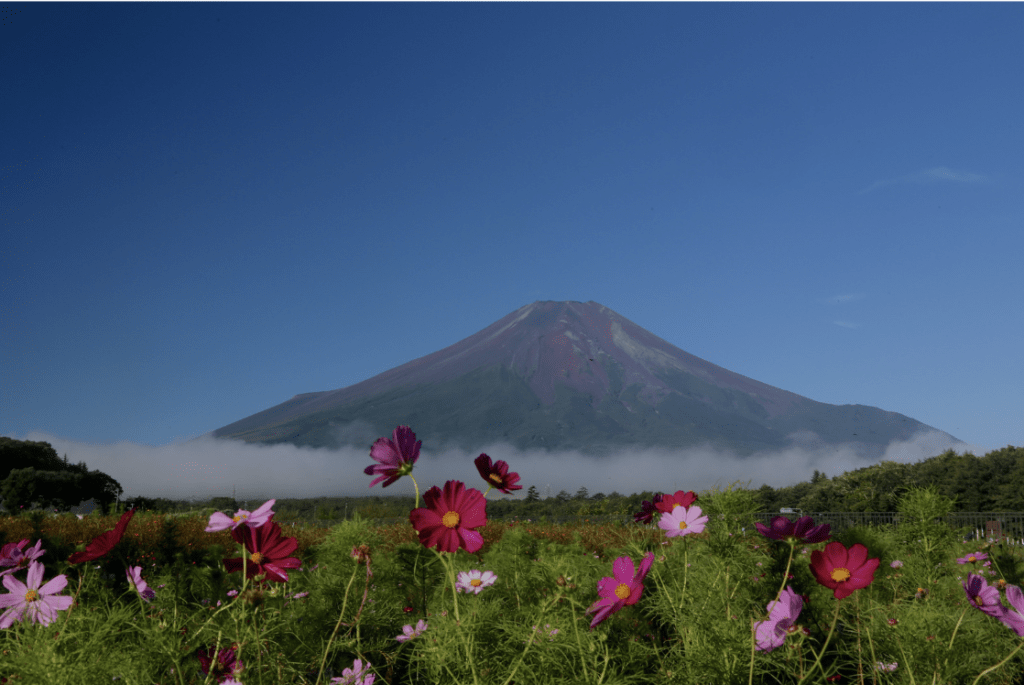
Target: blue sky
[(208, 208)]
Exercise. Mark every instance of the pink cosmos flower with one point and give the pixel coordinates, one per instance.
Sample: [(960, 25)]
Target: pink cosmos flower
[(782, 615), (408, 632), (395, 457), (621, 590), (1014, 618), (682, 521), (134, 574), (268, 553), (802, 532), (647, 510), (357, 675), (448, 520), (474, 581), (255, 519), (984, 597), (680, 499), (39, 604), (497, 474), (972, 558), (13, 555)]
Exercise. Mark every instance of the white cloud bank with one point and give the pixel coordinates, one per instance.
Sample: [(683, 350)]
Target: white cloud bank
[(207, 467)]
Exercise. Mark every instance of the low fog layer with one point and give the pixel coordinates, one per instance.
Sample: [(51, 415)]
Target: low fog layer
[(207, 467)]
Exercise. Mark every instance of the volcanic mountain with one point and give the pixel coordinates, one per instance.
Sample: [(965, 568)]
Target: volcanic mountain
[(570, 375)]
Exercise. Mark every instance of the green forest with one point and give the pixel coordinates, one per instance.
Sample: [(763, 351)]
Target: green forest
[(33, 476)]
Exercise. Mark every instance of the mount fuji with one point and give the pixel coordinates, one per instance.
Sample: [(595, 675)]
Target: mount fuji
[(571, 375)]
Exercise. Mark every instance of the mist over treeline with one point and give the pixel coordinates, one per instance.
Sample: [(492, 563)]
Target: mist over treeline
[(32, 475)]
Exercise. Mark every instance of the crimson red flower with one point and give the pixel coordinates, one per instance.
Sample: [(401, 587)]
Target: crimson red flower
[(843, 570), (647, 510), (225, 666), (497, 475), (395, 457), (448, 520), (680, 499), (104, 542), (269, 553)]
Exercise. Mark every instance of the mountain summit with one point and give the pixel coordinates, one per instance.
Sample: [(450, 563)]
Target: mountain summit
[(570, 375)]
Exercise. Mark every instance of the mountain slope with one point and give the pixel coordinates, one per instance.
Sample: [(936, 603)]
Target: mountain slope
[(570, 375)]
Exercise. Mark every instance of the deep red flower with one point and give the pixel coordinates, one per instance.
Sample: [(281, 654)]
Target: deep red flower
[(647, 510), (269, 553), (448, 520), (802, 532), (680, 499), (497, 475), (104, 542), (395, 457), (225, 667), (843, 570)]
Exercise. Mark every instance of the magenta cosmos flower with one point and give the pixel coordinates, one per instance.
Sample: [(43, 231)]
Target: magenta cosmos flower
[(984, 597), (802, 532), (782, 615), (496, 474), (38, 604), (15, 555), (226, 665), (395, 457), (682, 521), (647, 510), (448, 520), (267, 552), (680, 499), (1014, 618), (843, 570), (621, 590), (255, 519), (972, 558)]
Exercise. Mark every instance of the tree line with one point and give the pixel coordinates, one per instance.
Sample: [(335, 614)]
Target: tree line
[(31, 472)]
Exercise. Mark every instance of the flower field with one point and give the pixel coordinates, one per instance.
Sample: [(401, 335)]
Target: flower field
[(693, 592)]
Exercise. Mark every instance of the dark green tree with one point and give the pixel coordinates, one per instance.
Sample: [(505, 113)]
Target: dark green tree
[(582, 493), (531, 494)]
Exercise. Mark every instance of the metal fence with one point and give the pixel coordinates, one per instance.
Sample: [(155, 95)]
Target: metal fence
[(996, 526), (976, 525)]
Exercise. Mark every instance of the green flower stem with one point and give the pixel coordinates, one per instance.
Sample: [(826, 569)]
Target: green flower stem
[(753, 645), (458, 619), (344, 604), (686, 568), (953, 636), (992, 668), (817, 660), (785, 574), (417, 487)]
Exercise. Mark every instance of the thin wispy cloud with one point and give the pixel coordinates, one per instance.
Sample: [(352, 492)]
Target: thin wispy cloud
[(841, 299), (933, 175), (847, 324)]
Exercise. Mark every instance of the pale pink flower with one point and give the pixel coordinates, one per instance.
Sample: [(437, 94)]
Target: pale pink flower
[(682, 521), (408, 632), (255, 519), (38, 604), (14, 555)]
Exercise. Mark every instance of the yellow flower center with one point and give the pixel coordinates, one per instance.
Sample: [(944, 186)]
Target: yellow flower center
[(451, 519), (476, 582), (972, 558), (622, 591), (495, 477), (31, 596), (840, 575), (236, 518), (674, 505), (979, 601), (682, 525), (256, 558)]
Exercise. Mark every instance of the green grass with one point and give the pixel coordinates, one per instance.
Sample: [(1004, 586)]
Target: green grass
[(692, 625)]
